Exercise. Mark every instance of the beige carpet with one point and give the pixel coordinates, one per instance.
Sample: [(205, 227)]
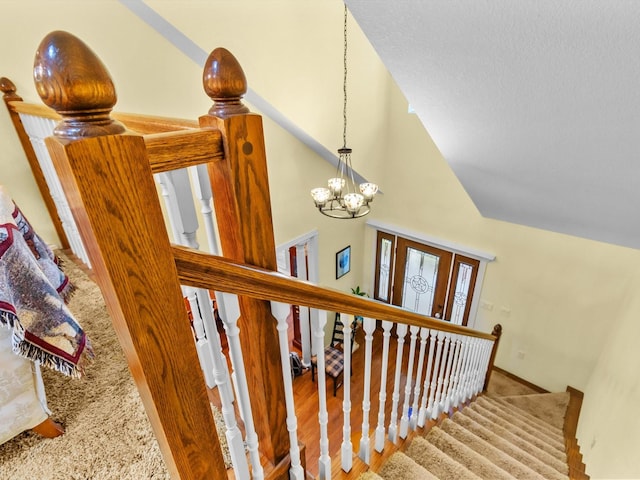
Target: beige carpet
[(513, 432), (107, 434)]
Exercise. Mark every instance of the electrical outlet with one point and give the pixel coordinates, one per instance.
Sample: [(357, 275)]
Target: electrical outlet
[(520, 355)]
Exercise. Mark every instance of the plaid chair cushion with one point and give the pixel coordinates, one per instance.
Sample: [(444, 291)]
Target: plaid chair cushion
[(334, 361)]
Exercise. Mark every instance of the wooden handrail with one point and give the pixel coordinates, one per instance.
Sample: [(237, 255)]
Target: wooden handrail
[(143, 124), (203, 270)]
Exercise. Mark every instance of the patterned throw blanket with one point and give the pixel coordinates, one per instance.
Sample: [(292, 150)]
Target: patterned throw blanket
[(33, 295)]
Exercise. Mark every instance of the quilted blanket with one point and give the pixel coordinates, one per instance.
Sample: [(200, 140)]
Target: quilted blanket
[(33, 295)]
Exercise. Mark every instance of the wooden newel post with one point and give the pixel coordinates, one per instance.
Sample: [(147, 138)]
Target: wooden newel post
[(497, 333), (9, 95), (243, 208), (108, 182)]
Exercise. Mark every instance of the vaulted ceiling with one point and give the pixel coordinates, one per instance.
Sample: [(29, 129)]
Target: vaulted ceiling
[(534, 104)]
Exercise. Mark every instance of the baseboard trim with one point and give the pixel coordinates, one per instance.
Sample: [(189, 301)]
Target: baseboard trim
[(520, 380)]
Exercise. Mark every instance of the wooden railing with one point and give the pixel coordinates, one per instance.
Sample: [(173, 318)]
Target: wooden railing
[(107, 171)]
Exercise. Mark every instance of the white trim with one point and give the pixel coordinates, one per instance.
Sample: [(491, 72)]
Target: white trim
[(430, 240)]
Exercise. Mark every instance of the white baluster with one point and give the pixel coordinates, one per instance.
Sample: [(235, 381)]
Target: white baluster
[(202, 191), (423, 413), (435, 410), (401, 332), (404, 420), (304, 314), (346, 449), (382, 396), (235, 351), (434, 375), (487, 347), (470, 373), (413, 418), (449, 379), (214, 347), (324, 461), (459, 376), (281, 311), (369, 326)]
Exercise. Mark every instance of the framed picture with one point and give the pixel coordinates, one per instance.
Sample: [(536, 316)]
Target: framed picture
[(343, 262)]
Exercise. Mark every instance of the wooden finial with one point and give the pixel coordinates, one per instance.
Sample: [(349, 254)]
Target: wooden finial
[(497, 330), (72, 80), (9, 90), (225, 83)]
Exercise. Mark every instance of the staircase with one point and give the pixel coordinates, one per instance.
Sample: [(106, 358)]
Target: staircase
[(495, 437)]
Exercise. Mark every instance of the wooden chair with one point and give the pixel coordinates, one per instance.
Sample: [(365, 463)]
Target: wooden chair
[(334, 356)]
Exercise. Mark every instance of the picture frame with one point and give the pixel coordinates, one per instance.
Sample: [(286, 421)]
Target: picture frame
[(343, 262)]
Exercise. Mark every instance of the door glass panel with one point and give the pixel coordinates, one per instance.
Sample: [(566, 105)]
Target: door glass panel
[(461, 293), (384, 273), (420, 277)]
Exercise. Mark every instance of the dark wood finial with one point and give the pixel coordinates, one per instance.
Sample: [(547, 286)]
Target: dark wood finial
[(225, 83), (497, 330), (8, 88), (72, 80)]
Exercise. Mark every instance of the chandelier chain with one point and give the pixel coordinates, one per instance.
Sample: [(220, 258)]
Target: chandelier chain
[(344, 83)]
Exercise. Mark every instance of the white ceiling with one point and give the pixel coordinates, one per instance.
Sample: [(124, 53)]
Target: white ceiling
[(535, 104)]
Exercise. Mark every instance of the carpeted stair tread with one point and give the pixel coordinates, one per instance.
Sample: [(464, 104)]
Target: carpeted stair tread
[(400, 465), (512, 446), (370, 476), (533, 429), (467, 457), (514, 412), (521, 439), (496, 456), (437, 462), (551, 408)]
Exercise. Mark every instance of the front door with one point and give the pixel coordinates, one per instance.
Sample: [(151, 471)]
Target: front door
[(422, 278)]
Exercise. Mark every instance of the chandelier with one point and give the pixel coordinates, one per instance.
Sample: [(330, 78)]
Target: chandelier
[(341, 199)]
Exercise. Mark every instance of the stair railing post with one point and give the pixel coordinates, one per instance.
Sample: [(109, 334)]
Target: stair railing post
[(496, 332), (404, 420), (369, 326), (107, 178), (382, 395), (242, 203), (324, 461), (401, 332), (423, 413), (346, 448)]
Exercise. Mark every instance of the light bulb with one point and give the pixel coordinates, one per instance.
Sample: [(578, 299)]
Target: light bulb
[(353, 202), (336, 185), (320, 196), (368, 190)]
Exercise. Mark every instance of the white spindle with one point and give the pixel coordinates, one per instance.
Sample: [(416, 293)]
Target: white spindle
[(464, 341), (235, 351), (488, 346), (446, 356), (468, 386), (305, 332), (413, 418), (382, 395), (346, 449), (404, 420), (401, 332), (434, 375), (450, 380), (324, 461), (281, 311), (369, 326), (39, 128), (423, 413), (202, 190)]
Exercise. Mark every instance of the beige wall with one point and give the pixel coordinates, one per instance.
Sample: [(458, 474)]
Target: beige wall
[(567, 305)]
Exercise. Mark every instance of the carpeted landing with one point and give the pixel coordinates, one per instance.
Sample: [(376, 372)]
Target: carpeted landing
[(494, 438)]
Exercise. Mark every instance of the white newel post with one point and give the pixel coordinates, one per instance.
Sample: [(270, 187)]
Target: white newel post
[(324, 461), (401, 332), (424, 412), (369, 326), (404, 420), (346, 449), (235, 351), (413, 418), (281, 311), (382, 396)]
